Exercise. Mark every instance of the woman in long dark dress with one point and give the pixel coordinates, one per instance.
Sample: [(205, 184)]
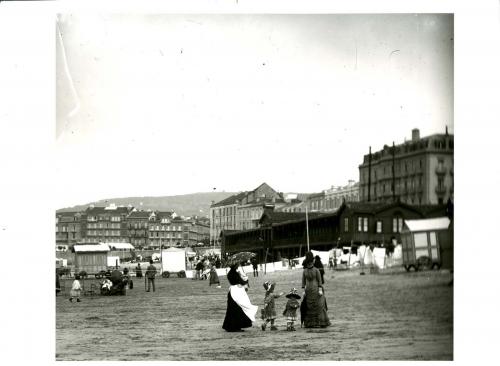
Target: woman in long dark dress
[(311, 281), (240, 312), (319, 265)]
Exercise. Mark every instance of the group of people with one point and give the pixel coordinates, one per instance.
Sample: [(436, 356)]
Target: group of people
[(241, 312)]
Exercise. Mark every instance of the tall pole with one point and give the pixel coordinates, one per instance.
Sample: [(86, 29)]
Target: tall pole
[(307, 229), (369, 172), (393, 173)]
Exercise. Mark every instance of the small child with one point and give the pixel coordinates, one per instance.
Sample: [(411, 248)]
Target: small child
[(76, 289), (268, 313), (291, 308)]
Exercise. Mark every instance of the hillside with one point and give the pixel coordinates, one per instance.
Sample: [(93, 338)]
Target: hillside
[(184, 205)]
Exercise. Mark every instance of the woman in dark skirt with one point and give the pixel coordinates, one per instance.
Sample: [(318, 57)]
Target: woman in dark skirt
[(311, 282), (240, 312)]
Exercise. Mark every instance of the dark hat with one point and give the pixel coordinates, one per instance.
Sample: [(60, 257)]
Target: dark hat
[(293, 294), (269, 286)]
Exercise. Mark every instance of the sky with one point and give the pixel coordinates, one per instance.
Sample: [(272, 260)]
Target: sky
[(163, 104)]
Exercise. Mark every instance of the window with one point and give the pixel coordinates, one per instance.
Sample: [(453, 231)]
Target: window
[(115, 218), (379, 226), (360, 224), (397, 224), (365, 224)]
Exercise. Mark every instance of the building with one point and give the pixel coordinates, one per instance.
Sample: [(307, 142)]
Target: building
[(241, 211), (166, 229), (416, 172), (163, 231), (334, 196), (354, 223), (137, 225), (68, 229), (316, 202), (105, 224)]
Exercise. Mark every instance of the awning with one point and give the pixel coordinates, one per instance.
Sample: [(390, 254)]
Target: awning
[(438, 223), (88, 248)]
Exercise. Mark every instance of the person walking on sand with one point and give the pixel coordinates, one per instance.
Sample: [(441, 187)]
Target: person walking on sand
[(291, 309), (240, 312), (319, 265), (150, 275), (214, 277), (76, 289), (255, 264), (138, 271), (311, 280), (268, 313)]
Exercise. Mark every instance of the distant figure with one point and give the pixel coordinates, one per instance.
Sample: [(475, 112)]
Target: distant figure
[(217, 262), (214, 277), (138, 271), (199, 269), (76, 289), (126, 278), (58, 283), (319, 265), (150, 274), (255, 264)]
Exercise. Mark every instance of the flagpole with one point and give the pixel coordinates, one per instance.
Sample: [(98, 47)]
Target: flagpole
[(307, 229)]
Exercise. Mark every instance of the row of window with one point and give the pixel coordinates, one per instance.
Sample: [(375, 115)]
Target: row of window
[(102, 225), (98, 240), (165, 235), (103, 232), (167, 228), (103, 218), (362, 227)]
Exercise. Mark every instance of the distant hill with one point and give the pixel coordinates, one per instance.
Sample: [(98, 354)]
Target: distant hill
[(183, 205)]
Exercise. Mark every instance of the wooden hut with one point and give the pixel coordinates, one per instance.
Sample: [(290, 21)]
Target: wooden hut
[(91, 258), (428, 238)]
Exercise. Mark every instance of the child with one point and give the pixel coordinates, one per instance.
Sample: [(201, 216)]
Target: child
[(268, 313), (76, 289), (214, 277), (291, 308)]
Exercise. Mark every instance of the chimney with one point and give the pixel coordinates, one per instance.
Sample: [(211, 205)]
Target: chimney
[(415, 134), (446, 131)]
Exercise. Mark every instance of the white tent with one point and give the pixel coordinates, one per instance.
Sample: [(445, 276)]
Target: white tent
[(379, 257), (174, 260)]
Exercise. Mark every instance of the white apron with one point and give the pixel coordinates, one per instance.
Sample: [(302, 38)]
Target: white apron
[(241, 298)]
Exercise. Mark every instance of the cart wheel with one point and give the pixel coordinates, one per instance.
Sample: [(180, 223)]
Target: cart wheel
[(181, 274), (165, 274)]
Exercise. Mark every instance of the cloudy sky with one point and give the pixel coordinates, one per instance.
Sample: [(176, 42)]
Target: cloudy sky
[(176, 104)]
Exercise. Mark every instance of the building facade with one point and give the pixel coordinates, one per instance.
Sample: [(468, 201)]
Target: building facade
[(241, 211), (105, 224), (137, 225), (354, 223), (68, 229), (417, 172), (335, 196)]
